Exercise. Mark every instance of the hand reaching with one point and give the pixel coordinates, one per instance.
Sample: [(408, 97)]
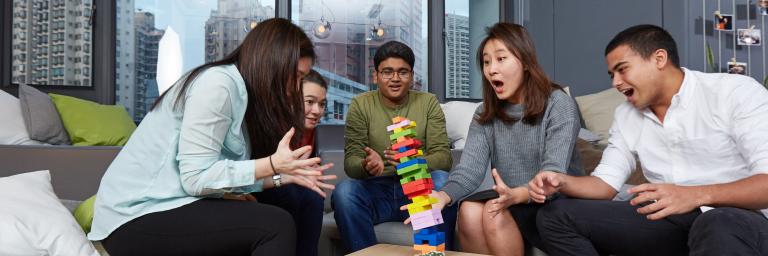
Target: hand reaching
[(506, 196), (545, 184), (442, 200), (296, 162), (372, 162)]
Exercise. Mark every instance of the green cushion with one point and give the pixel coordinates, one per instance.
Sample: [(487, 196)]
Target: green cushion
[(91, 124), (84, 214)]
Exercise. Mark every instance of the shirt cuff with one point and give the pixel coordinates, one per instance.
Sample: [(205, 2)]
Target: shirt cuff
[(611, 178)]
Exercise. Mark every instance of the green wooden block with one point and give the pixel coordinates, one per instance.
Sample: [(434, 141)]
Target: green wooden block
[(414, 176), (403, 133), (411, 168)]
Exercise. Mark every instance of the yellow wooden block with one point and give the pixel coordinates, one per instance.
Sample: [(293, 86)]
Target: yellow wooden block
[(418, 153), (396, 130), (424, 200), (414, 209)]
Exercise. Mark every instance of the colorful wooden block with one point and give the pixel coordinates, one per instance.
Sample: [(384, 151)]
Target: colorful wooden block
[(403, 149), (400, 125), (398, 119), (411, 162), (412, 168), (404, 159), (420, 204), (418, 187), (401, 139), (414, 176), (426, 218), (425, 248), (408, 142), (429, 236), (403, 133)]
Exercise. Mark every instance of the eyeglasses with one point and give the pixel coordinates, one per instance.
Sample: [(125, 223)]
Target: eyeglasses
[(389, 74)]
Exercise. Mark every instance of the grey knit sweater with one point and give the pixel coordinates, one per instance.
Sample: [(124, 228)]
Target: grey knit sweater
[(520, 150)]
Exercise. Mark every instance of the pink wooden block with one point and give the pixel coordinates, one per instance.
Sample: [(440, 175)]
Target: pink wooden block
[(426, 219), (398, 125)]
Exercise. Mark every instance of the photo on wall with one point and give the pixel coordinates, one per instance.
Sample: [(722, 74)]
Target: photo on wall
[(749, 37), (723, 22), (737, 68)]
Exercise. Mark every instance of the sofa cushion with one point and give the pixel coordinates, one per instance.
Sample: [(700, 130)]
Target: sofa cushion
[(597, 111), (35, 222), (41, 118), (91, 124), (458, 117), (13, 131)]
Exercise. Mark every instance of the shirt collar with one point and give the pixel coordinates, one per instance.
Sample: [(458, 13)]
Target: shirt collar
[(685, 94)]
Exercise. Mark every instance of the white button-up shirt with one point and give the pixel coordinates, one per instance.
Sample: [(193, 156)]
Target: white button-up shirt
[(715, 131)]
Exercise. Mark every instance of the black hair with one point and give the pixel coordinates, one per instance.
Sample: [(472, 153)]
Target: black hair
[(315, 77), (270, 76), (393, 49), (645, 40)]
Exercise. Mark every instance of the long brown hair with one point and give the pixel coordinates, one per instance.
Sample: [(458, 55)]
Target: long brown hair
[(535, 87), (268, 61)]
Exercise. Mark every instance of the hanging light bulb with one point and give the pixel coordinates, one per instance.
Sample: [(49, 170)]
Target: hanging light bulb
[(322, 29), (377, 32)]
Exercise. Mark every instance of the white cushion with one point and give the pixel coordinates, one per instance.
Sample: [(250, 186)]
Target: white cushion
[(13, 131), (34, 222), (597, 110), (458, 116)]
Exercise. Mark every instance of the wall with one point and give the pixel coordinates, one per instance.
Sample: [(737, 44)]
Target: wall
[(570, 36)]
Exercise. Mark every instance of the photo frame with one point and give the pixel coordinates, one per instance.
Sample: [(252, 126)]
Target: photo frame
[(737, 68), (724, 22), (748, 37)]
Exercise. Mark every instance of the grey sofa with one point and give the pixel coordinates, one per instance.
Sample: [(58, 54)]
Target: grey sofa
[(75, 171)]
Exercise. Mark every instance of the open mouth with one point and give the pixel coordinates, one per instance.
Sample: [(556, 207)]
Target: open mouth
[(395, 87), (627, 92), (498, 85)]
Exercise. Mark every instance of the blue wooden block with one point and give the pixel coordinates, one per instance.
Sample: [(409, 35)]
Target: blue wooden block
[(402, 149), (411, 162), (429, 236)]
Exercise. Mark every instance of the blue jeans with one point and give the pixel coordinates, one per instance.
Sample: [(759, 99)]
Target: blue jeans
[(361, 204)]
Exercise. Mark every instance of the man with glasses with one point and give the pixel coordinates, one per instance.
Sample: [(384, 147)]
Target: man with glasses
[(374, 194)]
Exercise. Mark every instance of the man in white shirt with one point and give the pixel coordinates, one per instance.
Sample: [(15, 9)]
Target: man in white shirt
[(702, 140)]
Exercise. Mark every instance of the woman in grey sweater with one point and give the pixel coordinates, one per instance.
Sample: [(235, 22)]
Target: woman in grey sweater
[(526, 124)]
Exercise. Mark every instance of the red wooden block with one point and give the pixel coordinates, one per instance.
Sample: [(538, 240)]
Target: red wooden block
[(418, 187)]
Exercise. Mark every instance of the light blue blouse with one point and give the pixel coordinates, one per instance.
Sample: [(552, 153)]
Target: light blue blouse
[(177, 157)]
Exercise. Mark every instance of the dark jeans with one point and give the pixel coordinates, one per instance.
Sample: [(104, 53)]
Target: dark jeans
[(207, 227), (361, 204), (306, 207), (601, 227)]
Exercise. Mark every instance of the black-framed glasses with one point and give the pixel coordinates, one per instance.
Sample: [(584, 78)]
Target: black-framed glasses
[(389, 74)]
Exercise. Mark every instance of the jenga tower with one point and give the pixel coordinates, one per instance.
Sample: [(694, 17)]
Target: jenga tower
[(417, 185)]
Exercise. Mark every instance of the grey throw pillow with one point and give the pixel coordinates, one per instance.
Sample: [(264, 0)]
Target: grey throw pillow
[(40, 116)]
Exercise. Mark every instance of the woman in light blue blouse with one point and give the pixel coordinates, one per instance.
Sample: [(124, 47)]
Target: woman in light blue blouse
[(223, 131)]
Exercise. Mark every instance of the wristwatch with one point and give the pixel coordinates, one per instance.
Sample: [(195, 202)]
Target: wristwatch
[(276, 180)]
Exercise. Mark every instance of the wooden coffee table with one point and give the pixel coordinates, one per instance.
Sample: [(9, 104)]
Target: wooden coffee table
[(400, 250)]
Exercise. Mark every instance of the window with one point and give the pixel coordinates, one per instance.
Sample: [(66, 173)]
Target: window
[(465, 23), (32, 35), (346, 35), (207, 30)]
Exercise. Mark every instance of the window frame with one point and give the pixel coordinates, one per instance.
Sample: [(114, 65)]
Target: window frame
[(104, 39), (102, 87)]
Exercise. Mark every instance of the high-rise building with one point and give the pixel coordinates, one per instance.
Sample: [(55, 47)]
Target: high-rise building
[(125, 57), (457, 56), (228, 25), (345, 55), (51, 42), (147, 39)]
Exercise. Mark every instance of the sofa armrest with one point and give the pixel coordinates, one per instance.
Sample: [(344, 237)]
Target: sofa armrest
[(75, 171)]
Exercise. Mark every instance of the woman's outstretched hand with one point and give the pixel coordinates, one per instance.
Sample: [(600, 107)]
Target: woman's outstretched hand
[(296, 162)]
